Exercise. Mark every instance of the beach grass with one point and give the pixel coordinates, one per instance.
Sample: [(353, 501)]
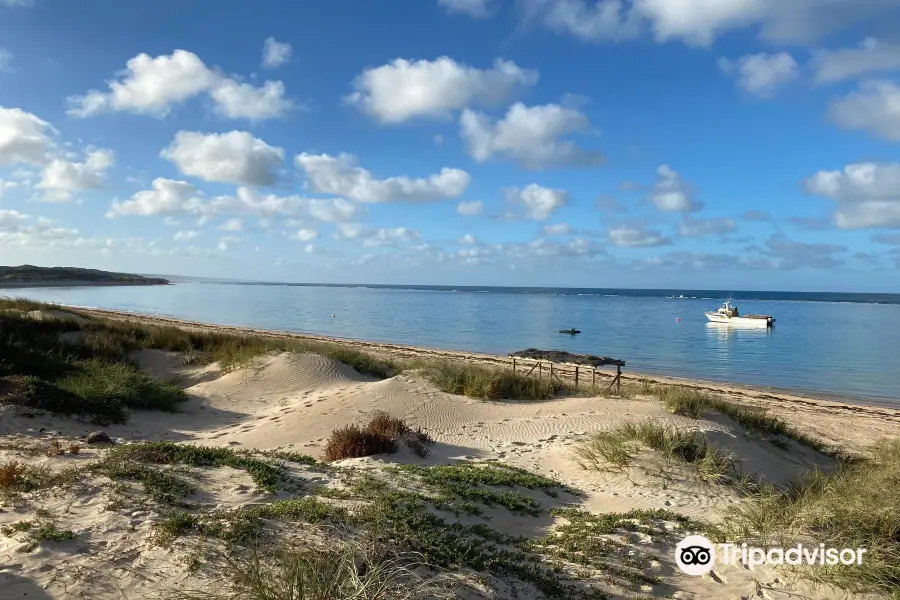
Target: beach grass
[(350, 571), (618, 447), (381, 435), (856, 506), (486, 383)]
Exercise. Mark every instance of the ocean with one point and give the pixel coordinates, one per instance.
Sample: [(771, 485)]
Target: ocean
[(842, 345)]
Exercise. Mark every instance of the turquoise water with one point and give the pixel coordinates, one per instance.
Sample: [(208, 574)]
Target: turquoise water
[(845, 345)]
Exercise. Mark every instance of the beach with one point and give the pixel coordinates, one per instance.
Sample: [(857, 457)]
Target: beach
[(288, 404)]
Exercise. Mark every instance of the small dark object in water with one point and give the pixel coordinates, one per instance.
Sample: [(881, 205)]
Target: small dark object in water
[(570, 331)]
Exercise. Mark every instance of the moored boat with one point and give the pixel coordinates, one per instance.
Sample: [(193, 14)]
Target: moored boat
[(570, 331), (729, 314)]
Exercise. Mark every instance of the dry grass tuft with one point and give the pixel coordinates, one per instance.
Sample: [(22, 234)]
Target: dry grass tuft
[(380, 436), (12, 475)]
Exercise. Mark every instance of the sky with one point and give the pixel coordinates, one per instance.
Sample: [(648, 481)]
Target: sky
[(695, 144)]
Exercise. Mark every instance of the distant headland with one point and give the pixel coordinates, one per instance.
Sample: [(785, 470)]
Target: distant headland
[(31, 276)]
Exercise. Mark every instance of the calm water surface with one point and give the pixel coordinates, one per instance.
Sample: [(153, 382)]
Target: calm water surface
[(848, 348)]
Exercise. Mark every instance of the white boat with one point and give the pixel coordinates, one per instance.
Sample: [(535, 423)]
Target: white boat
[(728, 313)]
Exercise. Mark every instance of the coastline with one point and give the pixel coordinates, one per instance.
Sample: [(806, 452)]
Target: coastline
[(75, 283), (795, 407)]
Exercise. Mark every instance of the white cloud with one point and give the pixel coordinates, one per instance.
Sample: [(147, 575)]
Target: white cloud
[(470, 209), (349, 230), (11, 219), (24, 138), (153, 85), (468, 239), (306, 234), (671, 193), (275, 53), (183, 236), (232, 225), (539, 202), (478, 9), (6, 59), (874, 107), (691, 227), (227, 242), (628, 236), (234, 157), (700, 22), (529, 135), (388, 237), (761, 74), (404, 90), (870, 56), (343, 177), (169, 197), (557, 229), (235, 100), (867, 194), (6, 185), (62, 178)]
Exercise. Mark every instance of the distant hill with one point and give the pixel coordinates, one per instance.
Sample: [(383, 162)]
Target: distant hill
[(26, 275)]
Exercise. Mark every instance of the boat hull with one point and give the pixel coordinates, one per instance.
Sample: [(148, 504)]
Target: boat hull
[(740, 321)]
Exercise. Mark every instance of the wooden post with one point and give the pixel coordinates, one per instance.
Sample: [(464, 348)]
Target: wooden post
[(540, 372), (618, 378), (551, 374), (576, 376), (593, 379), (533, 367), (514, 364)]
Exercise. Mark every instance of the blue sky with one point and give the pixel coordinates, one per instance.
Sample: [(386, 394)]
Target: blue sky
[(641, 143)]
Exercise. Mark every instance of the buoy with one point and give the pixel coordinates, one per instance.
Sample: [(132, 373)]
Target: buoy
[(332, 315), (677, 319)]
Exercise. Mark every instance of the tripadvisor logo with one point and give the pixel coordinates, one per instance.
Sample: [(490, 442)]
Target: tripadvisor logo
[(695, 555)]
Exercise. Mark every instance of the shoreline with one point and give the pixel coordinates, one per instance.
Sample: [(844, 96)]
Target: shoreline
[(75, 283), (784, 403)]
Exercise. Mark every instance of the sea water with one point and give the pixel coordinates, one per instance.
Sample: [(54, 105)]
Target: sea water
[(846, 345)]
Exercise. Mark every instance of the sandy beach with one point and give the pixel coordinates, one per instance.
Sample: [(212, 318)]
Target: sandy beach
[(292, 402)]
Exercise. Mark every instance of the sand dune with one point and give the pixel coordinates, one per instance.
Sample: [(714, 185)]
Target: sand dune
[(293, 402)]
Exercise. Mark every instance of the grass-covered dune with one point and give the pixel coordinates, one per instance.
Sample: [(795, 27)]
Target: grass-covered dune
[(24, 275)]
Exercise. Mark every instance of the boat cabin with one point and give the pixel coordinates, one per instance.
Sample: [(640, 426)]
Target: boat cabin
[(729, 310)]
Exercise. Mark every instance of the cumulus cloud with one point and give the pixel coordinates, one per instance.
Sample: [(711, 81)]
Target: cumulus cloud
[(154, 85), (24, 138), (404, 90), (870, 56), (62, 178), (761, 74), (234, 157), (700, 22), (227, 243), (342, 176), (691, 227), (306, 234), (529, 135), (275, 53), (874, 108), (539, 203), (633, 236), (235, 100), (468, 239), (11, 219), (183, 236), (671, 193), (867, 194), (388, 236), (478, 9), (470, 209), (232, 225), (168, 197)]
